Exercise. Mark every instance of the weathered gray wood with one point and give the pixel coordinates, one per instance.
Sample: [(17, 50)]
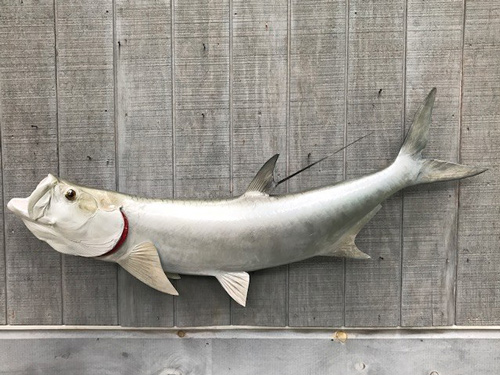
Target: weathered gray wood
[(316, 293), (106, 356), (3, 286), (309, 356), (259, 117), (144, 129), (266, 304), (201, 134), (249, 352), (29, 151), (478, 297), (201, 302), (317, 117), (4, 50), (375, 103), (434, 49), (84, 40), (228, 120)]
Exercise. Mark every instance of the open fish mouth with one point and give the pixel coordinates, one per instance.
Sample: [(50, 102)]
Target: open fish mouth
[(33, 207)]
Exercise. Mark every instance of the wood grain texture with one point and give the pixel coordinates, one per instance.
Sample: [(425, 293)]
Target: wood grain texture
[(3, 286), (106, 357), (29, 149), (199, 110), (144, 129), (201, 302), (478, 292), (266, 302), (375, 103), (84, 38), (434, 49), (309, 356), (317, 118), (206, 353), (259, 117), (201, 134), (4, 50)]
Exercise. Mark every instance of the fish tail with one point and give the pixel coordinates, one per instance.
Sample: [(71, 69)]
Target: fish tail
[(429, 170)]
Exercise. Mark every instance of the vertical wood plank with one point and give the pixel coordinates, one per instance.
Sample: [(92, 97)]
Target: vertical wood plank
[(478, 297), (259, 97), (29, 149), (144, 130), (434, 54), (375, 103), (203, 142), (3, 286), (317, 117), (86, 142), (5, 49), (201, 134)]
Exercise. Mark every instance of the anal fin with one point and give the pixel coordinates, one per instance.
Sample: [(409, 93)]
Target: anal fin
[(236, 285), (346, 247), (144, 264)]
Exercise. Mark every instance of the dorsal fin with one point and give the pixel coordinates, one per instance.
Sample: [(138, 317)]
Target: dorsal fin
[(144, 263), (263, 181), (236, 285)]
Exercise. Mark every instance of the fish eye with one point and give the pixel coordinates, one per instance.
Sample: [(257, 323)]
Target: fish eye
[(70, 195)]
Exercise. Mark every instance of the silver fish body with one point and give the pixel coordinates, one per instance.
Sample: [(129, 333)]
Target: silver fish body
[(256, 230), (229, 237)]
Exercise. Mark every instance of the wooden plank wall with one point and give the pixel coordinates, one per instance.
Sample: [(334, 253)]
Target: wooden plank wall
[(28, 111), (86, 142), (144, 133), (178, 98), (222, 352), (259, 127), (375, 71), (478, 279), (317, 126)]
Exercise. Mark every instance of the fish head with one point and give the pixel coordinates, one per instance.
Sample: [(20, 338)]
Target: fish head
[(72, 219)]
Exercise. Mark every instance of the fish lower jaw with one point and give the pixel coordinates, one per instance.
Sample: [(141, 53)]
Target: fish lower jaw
[(19, 206)]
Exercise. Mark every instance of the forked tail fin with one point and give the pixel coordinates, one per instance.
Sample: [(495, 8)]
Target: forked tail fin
[(429, 170)]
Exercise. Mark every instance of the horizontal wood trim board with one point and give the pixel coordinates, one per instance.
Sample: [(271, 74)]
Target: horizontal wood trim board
[(166, 352)]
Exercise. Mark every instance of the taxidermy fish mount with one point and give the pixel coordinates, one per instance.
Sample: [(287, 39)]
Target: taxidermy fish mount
[(158, 239)]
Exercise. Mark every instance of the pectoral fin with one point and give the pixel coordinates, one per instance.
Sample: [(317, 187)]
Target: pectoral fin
[(144, 263), (346, 247), (236, 285)]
